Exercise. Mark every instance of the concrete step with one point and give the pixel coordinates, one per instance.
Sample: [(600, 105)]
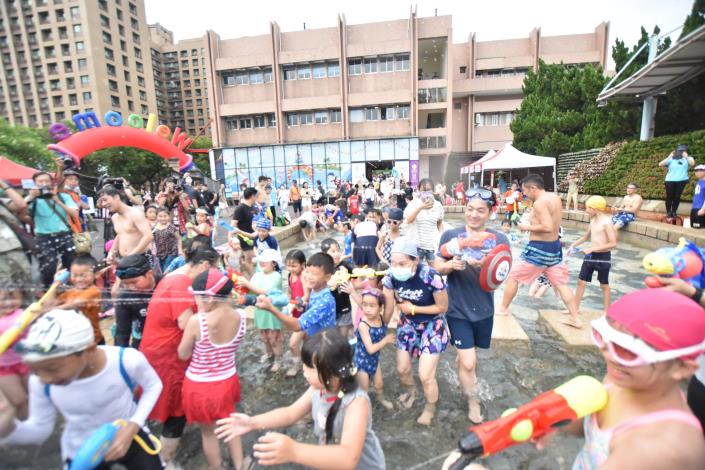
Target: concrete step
[(507, 328), (572, 336)]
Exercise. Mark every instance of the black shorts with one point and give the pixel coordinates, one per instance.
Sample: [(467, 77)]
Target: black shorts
[(466, 334), (697, 221), (599, 262), (696, 399)]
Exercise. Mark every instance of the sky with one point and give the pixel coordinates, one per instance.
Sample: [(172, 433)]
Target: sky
[(489, 20)]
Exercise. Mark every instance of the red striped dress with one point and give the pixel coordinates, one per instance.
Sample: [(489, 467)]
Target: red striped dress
[(211, 387)]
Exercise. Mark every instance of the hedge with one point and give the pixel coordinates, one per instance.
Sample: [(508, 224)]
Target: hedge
[(638, 161)]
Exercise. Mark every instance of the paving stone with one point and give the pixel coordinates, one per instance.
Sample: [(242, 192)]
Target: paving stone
[(572, 336), (506, 327)]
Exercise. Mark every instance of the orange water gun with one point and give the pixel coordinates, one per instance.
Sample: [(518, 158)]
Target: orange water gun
[(469, 245), (234, 276), (573, 400)]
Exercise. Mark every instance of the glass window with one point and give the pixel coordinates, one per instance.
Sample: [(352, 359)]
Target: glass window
[(388, 113), (321, 117), (306, 118), (303, 71), (80, 46), (268, 77), (85, 80), (228, 78), (87, 97), (279, 155), (402, 62), (77, 29), (354, 66), (357, 114), (372, 150), (333, 69), (357, 150), (259, 121), (289, 72), (336, 116), (231, 124), (386, 150), (292, 119), (319, 70), (271, 120), (256, 76), (370, 64), (372, 114), (245, 123), (403, 111), (241, 78), (386, 63)]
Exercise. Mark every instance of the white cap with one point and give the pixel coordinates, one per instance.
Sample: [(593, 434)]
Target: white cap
[(57, 333), (269, 255)]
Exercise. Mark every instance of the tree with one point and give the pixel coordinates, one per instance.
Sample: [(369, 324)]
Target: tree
[(25, 145), (201, 160), (621, 53)]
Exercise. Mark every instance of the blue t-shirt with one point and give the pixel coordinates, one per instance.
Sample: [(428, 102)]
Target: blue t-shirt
[(347, 244), (418, 290), (466, 299), (677, 169), (46, 221), (699, 195), (320, 313)]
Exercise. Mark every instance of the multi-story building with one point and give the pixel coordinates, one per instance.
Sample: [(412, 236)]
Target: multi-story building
[(352, 99), (180, 80), (61, 57)]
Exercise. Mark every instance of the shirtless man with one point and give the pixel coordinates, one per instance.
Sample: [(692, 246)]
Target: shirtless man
[(132, 232), (626, 211), (543, 252), (603, 237)]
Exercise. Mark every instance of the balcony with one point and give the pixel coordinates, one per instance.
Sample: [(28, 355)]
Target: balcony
[(488, 86)]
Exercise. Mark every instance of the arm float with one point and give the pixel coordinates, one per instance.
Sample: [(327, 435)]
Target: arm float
[(685, 261), (230, 228), (469, 245), (30, 314), (92, 452), (573, 400)]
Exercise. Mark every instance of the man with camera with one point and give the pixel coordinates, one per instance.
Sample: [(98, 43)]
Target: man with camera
[(173, 197), (51, 213)]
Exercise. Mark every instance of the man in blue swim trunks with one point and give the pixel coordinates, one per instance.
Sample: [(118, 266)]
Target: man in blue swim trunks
[(626, 211)]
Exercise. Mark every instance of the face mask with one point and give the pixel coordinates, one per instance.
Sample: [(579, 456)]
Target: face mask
[(401, 274)]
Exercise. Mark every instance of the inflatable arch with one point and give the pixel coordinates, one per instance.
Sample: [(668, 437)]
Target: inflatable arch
[(92, 136)]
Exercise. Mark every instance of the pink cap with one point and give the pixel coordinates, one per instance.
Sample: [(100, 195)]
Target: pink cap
[(661, 318)]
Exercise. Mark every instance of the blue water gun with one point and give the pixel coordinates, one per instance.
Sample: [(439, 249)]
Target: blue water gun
[(685, 261), (92, 452)]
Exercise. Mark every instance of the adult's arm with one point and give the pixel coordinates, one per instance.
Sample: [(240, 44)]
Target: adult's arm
[(42, 416), (17, 203), (185, 348), (142, 224), (67, 205), (144, 375), (665, 161)]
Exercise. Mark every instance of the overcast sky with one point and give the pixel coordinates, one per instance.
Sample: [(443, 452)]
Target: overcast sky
[(493, 19)]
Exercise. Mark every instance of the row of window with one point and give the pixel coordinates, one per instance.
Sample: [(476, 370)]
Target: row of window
[(56, 101), (306, 70), (306, 118), (251, 76), (497, 73), (433, 142), (257, 121), (381, 64), (432, 95), (494, 119), (379, 113)]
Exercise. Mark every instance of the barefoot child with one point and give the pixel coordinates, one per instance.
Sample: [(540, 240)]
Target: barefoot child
[(211, 338), (295, 262), (341, 412), (597, 258), (232, 255), (13, 372)]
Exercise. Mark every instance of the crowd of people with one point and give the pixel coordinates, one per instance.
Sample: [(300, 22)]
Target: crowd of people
[(380, 276)]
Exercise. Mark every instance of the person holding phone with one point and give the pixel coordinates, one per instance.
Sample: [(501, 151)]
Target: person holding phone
[(678, 162)]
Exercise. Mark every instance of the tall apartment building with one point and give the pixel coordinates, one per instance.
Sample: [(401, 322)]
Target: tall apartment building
[(180, 80), (348, 100), (61, 57)]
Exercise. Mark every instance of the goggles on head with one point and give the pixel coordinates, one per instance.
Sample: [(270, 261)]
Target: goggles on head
[(482, 193)]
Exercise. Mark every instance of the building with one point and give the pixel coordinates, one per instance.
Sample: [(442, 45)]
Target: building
[(354, 99), (62, 57), (180, 80)]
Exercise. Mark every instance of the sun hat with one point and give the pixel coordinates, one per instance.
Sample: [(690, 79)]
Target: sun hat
[(700, 167), (269, 255), (405, 245), (596, 202), (263, 224), (57, 333)]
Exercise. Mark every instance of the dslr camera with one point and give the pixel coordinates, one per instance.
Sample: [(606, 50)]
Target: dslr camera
[(67, 162), (679, 151), (109, 180), (45, 192)]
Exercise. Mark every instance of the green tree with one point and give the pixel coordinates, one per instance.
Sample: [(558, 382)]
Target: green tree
[(201, 160), (135, 165), (25, 145)]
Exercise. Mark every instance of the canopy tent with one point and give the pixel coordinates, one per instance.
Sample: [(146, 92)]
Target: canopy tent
[(477, 165), (510, 158), (13, 172)]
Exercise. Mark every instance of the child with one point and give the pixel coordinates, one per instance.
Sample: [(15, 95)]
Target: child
[(394, 218), (597, 258), (371, 337), (354, 203), (211, 338), (295, 262), (266, 279), (307, 222), (232, 254), (347, 240), (265, 240), (89, 386), (202, 227), (697, 213), (572, 195), (539, 286), (343, 309), (150, 213), (365, 240), (507, 230), (332, 398), (13, 372), (166, 239)]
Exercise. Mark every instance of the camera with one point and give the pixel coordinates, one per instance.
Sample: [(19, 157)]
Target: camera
[(680, 148), (108, 180), (67, 162), (45, 192)]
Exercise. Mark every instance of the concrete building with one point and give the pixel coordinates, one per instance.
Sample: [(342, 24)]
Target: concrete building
[(180, 80), (353, 99), (61, 57)]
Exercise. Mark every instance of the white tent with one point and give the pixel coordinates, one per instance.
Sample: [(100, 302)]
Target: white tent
[(477, 165), (510, 158)]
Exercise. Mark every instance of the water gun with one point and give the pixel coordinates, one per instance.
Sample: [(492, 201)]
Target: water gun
[(249, 241), (279, 299), (91, 453), (685, 261), (341, 276), (30, 314), (469, 245), (234, 276), (573, 400)]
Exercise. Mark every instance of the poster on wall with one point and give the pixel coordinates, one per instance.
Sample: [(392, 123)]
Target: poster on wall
[(400, 172), (358, 173), (414, 172), (300, 173)]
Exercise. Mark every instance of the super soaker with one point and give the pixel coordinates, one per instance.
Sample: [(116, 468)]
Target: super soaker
[(685, 261), (467, 245)]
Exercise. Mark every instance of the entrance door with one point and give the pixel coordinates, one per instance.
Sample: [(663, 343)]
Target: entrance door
[(378, 168)]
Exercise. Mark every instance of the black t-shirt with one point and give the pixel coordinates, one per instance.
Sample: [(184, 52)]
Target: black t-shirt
[(207, 197), (342, 300), (243, 216)]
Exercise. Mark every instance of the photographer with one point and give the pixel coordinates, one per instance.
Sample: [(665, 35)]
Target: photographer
[(678, 162), (51, 214), (15, 243)]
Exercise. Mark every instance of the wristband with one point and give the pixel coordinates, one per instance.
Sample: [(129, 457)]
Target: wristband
[(698, 295), (413, 309)]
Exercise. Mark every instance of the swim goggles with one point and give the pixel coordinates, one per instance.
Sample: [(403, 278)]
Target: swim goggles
[(632, 352), (484, 194)]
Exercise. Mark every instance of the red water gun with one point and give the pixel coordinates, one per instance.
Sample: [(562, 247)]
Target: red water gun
[(234, 276), (469, 244), (573, 400)]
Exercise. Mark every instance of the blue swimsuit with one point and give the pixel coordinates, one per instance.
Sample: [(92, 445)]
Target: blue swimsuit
[(365, 361)]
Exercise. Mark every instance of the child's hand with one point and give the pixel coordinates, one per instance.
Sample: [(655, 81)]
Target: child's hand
[(242, 282), (274, 448), (236, 425), (346, 287), (391, 338), (264, 303), (122, 442)]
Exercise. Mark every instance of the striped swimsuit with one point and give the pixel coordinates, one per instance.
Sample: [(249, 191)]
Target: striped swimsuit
[(212, 362)]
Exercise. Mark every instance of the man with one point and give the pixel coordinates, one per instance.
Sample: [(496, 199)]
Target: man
[(626, 211), (133, 234), (15, 243), (423, 218), (295, 198), (210, 199), (137, 283), (543, 253), (242, 222), (470, 309), (51, 213)]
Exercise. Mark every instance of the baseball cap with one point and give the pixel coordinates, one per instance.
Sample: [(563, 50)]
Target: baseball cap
[(596, 202), (269, 255), (700, 167), (263, 223), (57, 333), (395, 213), (405, 245), (663, 319)]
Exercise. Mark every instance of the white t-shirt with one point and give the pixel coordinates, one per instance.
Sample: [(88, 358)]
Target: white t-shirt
[(87, 404), (424, 229)]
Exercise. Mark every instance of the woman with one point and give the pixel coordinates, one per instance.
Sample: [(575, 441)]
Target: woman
[(283, 198), (678, 163), (421, 296), (423, 218), (306, 197)]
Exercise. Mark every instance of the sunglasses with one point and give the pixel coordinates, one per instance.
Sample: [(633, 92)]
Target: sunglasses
[(484, 194), (395, 222), (632, 352)]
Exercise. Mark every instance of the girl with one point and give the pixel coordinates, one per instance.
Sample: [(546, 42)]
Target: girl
[(295, 262), (306, 197), (371, 337), (332, 398), (151, 213), (202, 227), (266, 279), (365, 240), (13, 372), (211, 338), (393, 222), (422, 332), (283, 198), (343, 309), (166, 239)]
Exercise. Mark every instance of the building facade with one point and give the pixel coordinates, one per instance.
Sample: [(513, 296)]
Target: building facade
[(62, 57), (360, 93)]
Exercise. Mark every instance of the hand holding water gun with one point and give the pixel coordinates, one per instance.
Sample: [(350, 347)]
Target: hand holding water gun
[(278, 298), (238, 281), (31, 313), (685, 261), (341, 276), (249, 241), (573, 400), (469, 245)]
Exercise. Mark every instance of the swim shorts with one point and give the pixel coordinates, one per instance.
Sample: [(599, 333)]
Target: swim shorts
[(540, 257), (599, 262), (466, 334), (428, 337), (622, 218)]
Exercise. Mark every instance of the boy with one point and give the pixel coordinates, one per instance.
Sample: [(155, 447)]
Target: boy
[(507, 230), (603, 238), (697, 213), (265, 240), (343, 309), (320, 313), (307, 222)]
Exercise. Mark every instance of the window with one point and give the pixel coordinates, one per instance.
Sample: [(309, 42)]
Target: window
[(75, 13), (73, 100), (54, 85), (231, 124), (386, 63), (370, 65), (402, 62), (321, 117), (357, 114), (52, 69), (107, 38), (319, 70), (388, 113), (138, 52), (77, 30), (256, 78), (85, 80), (82, 64), (114, 101), (112, 84), (335, 116), (241, 78), (457, 105), (109, 54), (245, 123), (143, 95), (303, 71), (135, 38), (271, 120), (68, 66), (133, 8), (494, 119), (63, 34), (126, 74), (268, 77), (289, 72), (259, 121), (292, 119), (60, 116), (130, 105), (139, 67), (134, 23), (306, 118), (354, 66), (333, 69), (140, 81), (403, 111), (228, 78), (58, 101), (111, 69), (104, 21), (463, 69)]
